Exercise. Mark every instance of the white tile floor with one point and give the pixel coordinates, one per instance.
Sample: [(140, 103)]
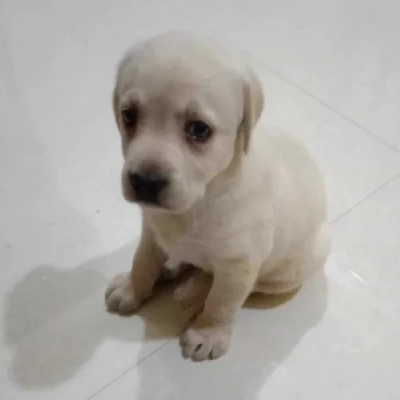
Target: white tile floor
[(331, 71)]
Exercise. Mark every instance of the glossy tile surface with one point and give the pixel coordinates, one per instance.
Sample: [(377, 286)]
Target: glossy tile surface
[(342, 52), (331, 76)]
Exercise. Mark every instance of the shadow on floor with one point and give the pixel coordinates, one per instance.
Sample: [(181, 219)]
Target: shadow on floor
[(266, 334), (56, 318)]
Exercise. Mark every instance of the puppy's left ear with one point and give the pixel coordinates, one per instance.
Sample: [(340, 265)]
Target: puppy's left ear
[(253, 104)]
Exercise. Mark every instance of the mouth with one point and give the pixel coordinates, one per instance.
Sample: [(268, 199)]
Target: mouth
[(151, 205), (148, 202), (147, 198)]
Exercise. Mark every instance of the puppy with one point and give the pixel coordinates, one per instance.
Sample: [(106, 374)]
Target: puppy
[(245, 206)]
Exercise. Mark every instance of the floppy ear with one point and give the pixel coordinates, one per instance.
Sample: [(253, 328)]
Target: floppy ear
[(115, 101), (253, 104)]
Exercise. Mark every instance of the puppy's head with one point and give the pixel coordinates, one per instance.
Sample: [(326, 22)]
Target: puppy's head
[(184, 109)]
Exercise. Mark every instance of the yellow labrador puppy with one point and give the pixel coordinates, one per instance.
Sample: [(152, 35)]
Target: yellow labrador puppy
[(244, 205)]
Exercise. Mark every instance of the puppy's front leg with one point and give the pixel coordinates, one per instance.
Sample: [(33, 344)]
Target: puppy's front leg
[(126, 292), (209, 336)]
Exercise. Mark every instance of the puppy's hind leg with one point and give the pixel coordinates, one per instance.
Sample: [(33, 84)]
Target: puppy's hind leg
[(290, 274)]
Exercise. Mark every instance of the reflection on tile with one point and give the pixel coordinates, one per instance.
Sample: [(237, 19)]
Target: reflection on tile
[(370, 234)]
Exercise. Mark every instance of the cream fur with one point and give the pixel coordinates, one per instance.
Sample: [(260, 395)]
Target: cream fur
[(248, 208)]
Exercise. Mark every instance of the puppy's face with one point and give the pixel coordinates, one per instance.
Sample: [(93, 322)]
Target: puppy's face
[(179, 113)]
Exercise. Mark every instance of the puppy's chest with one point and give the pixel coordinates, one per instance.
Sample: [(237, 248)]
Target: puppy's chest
[(168, 232), (189, 240)]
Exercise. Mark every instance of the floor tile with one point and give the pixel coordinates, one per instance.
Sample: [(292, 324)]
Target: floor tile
[(337, 338), (370, 234), (254, 367), (353, 163), (65, 229), (343, 52)]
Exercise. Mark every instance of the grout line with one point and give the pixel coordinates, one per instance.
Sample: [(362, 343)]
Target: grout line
[(287, 80), (126, 371), (379, 188)]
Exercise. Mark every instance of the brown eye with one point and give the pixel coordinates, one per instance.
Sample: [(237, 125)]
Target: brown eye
[(198, 131), (129, 117)]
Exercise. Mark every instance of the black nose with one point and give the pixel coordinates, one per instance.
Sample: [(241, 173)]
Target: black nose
[(147, 185)]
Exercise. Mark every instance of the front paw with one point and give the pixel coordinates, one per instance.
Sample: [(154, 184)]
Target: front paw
[(209, 343), (120, 297)]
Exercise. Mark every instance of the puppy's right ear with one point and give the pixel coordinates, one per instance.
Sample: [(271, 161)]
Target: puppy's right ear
[(253, 104), (115, 103)]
